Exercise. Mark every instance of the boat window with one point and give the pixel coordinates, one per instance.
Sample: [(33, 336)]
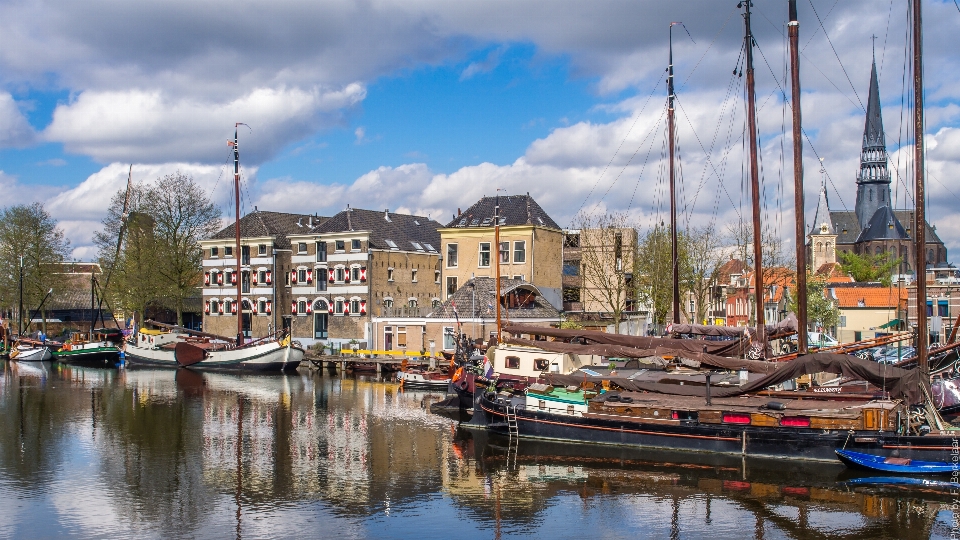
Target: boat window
[(541, 364), (512, 362), (541, 404), (569, 409)]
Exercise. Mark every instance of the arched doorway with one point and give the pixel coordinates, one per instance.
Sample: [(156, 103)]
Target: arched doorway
[(320, 319)]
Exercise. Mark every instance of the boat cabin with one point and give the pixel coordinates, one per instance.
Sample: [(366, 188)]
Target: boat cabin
[(526, 362)]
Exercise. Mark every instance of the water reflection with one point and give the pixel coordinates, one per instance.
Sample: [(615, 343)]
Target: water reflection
[(159, 453)]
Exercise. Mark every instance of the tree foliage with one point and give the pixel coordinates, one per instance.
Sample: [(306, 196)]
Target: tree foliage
[(654, 270), (158, 263), (700, 268), (821, 311), (29, 231), (868, 267)]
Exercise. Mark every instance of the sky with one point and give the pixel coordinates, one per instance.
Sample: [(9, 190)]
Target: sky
[(424, 106)]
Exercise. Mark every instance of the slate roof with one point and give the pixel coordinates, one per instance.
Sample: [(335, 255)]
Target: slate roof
[(477, 298), (822, 214), (846, 226), (884, 225), (260, 223), (400, 229), (514, 210)]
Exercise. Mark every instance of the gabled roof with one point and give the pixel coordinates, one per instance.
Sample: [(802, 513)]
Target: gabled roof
[(907, 217), (258, 224), (402, 232), (884, 225), (514, 210), (477, 299), (869, 297)]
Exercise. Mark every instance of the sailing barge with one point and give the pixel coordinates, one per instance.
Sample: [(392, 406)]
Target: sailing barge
[(605, 409)]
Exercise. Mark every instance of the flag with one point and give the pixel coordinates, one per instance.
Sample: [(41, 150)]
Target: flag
[(454, 304)]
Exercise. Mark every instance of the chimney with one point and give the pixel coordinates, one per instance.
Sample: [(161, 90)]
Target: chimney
[(310, 222), (458, 212), (386, 214)]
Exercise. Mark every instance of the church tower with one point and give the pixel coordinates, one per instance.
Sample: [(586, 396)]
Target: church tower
[(873, 180), (823, 237)]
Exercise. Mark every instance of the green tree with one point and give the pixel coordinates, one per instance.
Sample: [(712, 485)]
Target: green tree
[(868, 267), (821, 311), (28, 231), (653, 270)]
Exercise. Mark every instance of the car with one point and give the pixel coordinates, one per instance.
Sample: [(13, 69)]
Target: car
[(821, 340), (892, 355)]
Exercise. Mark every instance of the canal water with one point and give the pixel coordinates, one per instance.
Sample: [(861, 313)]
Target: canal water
[(98, 453)]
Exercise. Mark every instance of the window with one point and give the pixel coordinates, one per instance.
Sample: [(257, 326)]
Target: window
[(321, 251), (413, 275), (520, 251), (338, 307), (245, 281), (262, 249), (340, 245), (320, 324), (214, 307), (512, 362), (541, 364), (435, 303), (302, 275), (244, 254), (484, 259), (430, 248), (436, 276), (504, 252), (286, 278), (571, 268), (389, 274), (301, 247), (214, 252), (416, 246), (355, 274), (227, 277), (227, 306), (388, 302), (449, 338), (412, 303), (321, 280), (355, 245), (228, 251), (451, 286), (301, 307), (451, 255), (402, 337), (262, 277), (355, 306), (391, 244), (340, 275)]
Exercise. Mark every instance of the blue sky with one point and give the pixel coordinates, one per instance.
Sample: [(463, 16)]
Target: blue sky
[(426, 105)]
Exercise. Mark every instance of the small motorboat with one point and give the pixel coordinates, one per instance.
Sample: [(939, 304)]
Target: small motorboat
[(30, 353), (416, 379), (924, 483), (894, 464)]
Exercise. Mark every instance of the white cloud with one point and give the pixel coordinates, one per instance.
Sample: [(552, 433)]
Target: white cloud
[(15, 130), (138, 125)]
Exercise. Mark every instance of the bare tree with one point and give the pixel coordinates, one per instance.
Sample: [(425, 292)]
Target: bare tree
[(701, 267), (183, 215), (32, 233), (607, 248)]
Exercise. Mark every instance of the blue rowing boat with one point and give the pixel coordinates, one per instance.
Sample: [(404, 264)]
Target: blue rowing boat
[(894, 464), (924, 483)]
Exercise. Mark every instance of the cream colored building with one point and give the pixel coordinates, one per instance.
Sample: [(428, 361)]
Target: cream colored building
[(530, 249), (864, 309)]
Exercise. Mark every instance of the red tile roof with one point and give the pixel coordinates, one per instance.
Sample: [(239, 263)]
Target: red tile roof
[(869, 297)]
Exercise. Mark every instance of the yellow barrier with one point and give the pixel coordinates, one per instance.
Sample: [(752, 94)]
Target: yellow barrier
[(366, 352)]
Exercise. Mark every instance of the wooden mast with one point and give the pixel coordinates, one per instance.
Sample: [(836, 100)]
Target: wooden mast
[(496, 240), (920, 224), (238, 305), (793, 30), (754, 182), (673, 190)]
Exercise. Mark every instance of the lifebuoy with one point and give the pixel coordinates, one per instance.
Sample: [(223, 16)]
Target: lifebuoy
[(457, 375)]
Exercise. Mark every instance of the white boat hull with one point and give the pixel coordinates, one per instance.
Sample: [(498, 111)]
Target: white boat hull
[(266, 357), (33, 354)]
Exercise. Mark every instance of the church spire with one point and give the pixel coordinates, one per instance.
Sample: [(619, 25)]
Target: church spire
[(873, 180)]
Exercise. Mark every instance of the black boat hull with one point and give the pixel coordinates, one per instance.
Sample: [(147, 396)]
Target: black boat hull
[(732, 439)]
